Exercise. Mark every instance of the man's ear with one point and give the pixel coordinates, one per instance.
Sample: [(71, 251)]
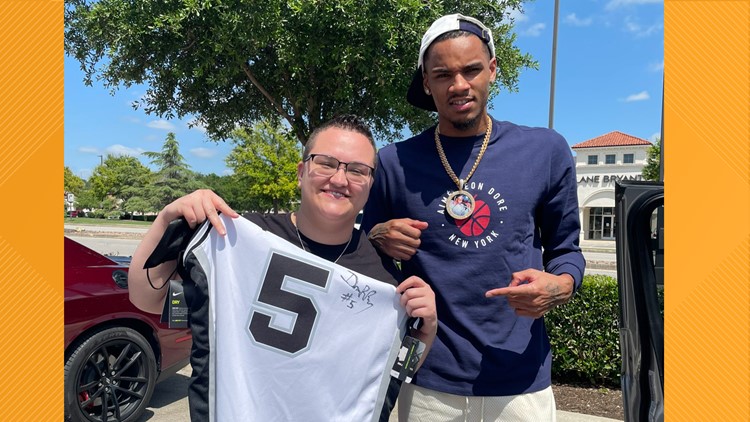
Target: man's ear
[(493, 69), (425, 83)]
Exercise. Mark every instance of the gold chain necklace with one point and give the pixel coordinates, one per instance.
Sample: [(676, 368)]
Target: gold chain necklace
[(460, 203), (303, 246)]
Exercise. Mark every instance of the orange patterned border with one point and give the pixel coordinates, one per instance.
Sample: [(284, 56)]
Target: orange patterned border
[(707, 164), (707, 145), (31, 245)]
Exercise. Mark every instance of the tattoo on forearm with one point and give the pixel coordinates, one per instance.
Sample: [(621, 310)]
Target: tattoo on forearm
[(377, 232)]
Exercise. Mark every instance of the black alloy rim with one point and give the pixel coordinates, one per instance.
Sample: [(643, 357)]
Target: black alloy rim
[(113, 381)]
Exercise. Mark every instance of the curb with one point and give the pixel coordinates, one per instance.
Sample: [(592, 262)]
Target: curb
[(563, 416)]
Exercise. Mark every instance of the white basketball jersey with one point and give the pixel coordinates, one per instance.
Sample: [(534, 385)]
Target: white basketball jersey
[(293, 337)]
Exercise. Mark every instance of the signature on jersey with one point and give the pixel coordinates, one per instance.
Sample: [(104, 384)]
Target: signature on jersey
[(361, 293)]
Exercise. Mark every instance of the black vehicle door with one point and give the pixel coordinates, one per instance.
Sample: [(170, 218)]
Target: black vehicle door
[(639, 210)]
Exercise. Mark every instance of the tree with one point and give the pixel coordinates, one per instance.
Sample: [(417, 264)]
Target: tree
[(265, 159), (235, 192), (118, 177), (212, 181), (232, 63), (87, 200), (652, 168), (72, 183), (173, 179), (137, 204)]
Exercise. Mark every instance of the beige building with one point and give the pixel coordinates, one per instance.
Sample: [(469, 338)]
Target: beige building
[(600, 162)]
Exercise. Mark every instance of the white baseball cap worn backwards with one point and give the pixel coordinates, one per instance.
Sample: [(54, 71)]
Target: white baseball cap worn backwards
[(456, 22)]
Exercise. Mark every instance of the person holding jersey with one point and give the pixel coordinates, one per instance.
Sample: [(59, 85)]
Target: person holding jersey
[(334, 176), (486, 212)]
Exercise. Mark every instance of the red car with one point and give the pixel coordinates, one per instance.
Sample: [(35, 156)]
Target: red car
[(114, 352)]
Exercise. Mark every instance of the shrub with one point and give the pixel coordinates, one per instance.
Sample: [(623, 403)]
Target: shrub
[(137, 217), (584, 335)]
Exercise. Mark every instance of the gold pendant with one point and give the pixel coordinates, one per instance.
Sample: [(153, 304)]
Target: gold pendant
[(460, 204)]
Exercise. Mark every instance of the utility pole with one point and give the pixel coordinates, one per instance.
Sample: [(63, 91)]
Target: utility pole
[(554, 65), (101, 160), (661, 139)]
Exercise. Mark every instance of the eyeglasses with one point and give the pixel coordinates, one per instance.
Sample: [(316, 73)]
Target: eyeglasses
[(327, 166)]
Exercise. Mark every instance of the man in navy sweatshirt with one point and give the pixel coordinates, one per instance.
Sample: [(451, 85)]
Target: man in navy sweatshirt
[(498, 265)]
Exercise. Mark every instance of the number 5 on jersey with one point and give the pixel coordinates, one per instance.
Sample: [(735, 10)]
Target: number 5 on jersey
[(282, 296)]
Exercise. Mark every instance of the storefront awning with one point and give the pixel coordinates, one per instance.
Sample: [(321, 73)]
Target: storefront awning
[(604, 198)]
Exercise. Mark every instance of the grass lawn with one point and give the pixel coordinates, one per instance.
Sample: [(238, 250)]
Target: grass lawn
[(105, 222)]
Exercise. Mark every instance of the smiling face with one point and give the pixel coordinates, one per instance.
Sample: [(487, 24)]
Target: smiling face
[(458, 73), (334, 199)]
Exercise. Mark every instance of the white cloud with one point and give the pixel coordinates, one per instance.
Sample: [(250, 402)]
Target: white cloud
[(534, 30), (656, 67), (641, 96), (119, 150), (614, 4), (639, 30), (651, 30), (197, 125), (654, 137), (161, 124), (203, 152), (574, 20), (227, 172), (89, 150), (631, 26)]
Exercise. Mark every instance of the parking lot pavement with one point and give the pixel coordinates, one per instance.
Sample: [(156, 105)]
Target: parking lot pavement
[(108, 245), (169, 402)]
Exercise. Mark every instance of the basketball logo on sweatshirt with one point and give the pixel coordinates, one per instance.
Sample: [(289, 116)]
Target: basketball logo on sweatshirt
[(477, 222), (482, 227)]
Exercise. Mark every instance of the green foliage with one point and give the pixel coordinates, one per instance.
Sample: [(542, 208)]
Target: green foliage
[(264, 160), (110, 207), (117, 177), (235, 190), (137, 204), (584, 334), (173, 179), (122, 185), (87, 200), (99, 214), (233, 63), (653, 165), (72, 183)]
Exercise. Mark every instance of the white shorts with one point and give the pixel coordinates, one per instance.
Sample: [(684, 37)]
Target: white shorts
[(418, 404)]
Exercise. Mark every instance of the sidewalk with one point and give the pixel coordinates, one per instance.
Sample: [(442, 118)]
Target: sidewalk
[(563, 416), (606, 246), (105, 229)]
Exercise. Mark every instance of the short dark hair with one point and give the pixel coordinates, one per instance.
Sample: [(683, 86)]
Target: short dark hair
[(349, 122), (451, 35)]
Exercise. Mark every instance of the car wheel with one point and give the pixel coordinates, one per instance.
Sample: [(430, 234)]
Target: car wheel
[(109, 376)]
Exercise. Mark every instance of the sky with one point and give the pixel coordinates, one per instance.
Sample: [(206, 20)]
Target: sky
[(609, 77)]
